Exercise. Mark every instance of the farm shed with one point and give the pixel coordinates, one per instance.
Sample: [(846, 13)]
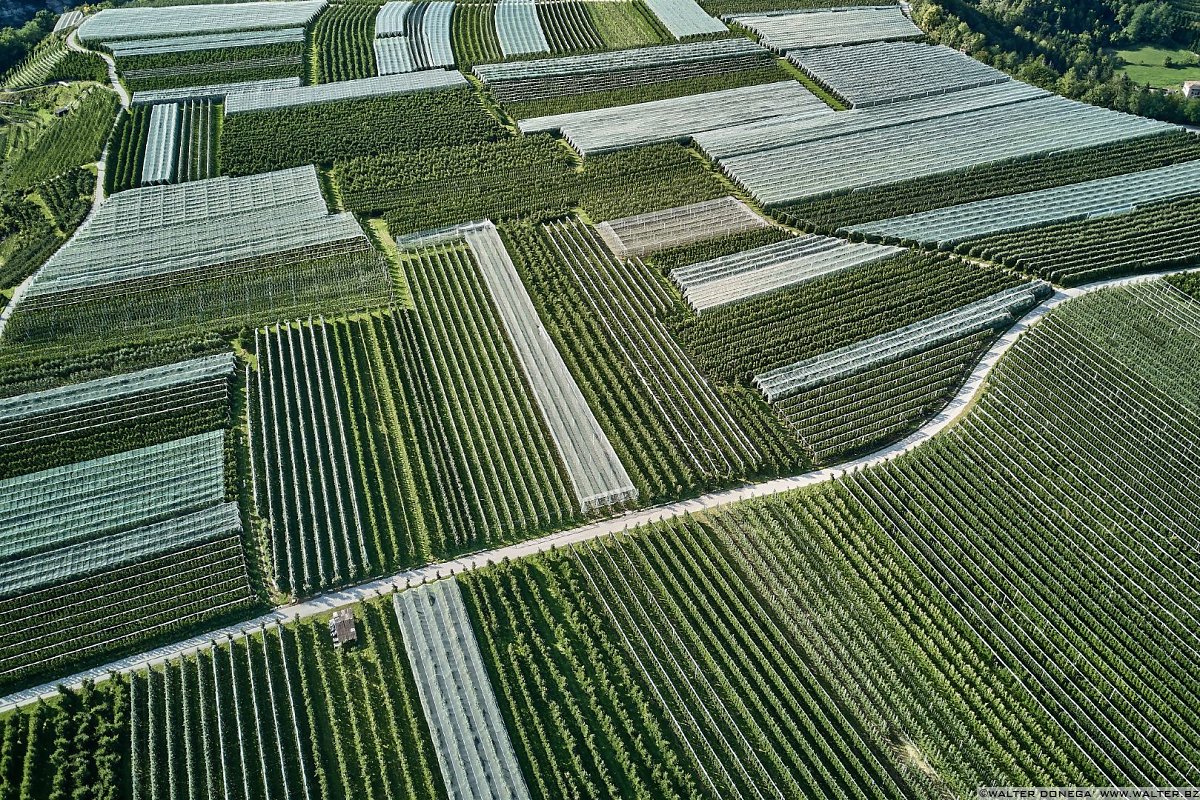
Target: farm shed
[(341, 628)]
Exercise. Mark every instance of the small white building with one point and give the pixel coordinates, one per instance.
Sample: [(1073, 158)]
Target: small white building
[(341, 628), (1191, 89)]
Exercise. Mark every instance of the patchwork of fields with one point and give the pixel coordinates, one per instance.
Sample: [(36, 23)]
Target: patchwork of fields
[(307, 296)]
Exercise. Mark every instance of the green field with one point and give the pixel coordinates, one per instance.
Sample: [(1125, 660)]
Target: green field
[(1145, 65)]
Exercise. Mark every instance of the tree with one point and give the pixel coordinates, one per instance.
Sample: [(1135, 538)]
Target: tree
[(16, 43)]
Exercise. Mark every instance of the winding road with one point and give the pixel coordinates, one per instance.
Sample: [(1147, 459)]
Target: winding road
[(331, 600)]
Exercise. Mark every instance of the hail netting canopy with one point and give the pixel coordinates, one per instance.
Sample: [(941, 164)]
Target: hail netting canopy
[(645, 233), (67, 504), (518, 28), (382, 86), (738, 276), (26, 417), (996, 311), (159, 163), (573, 75), (160, 230), (67, 20), (606, 129), (684, 18), (465, 722), (220, 92), (888, 72), (886, 155), (1115, 195), (208, 41), (814, 124), (130, 23), (798, 29), (413, 35), (62, 564)]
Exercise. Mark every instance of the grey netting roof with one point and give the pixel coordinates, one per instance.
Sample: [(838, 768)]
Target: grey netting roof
[(413, 35), (67, 504), (108, 552), (635, 58), (393, 55), (1115, 195), (606, 129), (890, 72), (645, 233), (822, 28), (750, 273), (465, 723), (886, 155), (382, 86), (591, 463), (219, 91), (208, 41), (685, 18), (163, 229), (997, 310), (814, 124), (159, 163), (519, 29), (132, 23), (128, 385)]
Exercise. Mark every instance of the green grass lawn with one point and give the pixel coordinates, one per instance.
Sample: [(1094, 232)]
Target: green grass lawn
[(1145, 65)]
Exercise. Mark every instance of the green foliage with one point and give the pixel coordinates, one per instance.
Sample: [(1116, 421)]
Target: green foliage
[(24, 372), (861, 412), (528, 176), (671, 258), (736, 342), (262, 141), (1067, 439), (433, 400), (18, 43), (473, 34), (1151, 329), (342, 43), (36, 68), (310, 719), (75, 139), (72, 746), (222, 298), (68, 198), (718, 7), (127, 150), (28, 239), (1188, 283), (568, 26), (644, 94), (622, 25), (993, 180), (1154, 237), (76, 66), (106, 440), (518, 176), (206, 67), (646, 179), (623, 407), (216, 56)]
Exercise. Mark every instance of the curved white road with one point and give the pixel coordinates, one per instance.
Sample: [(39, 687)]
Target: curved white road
[(331, 600)]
